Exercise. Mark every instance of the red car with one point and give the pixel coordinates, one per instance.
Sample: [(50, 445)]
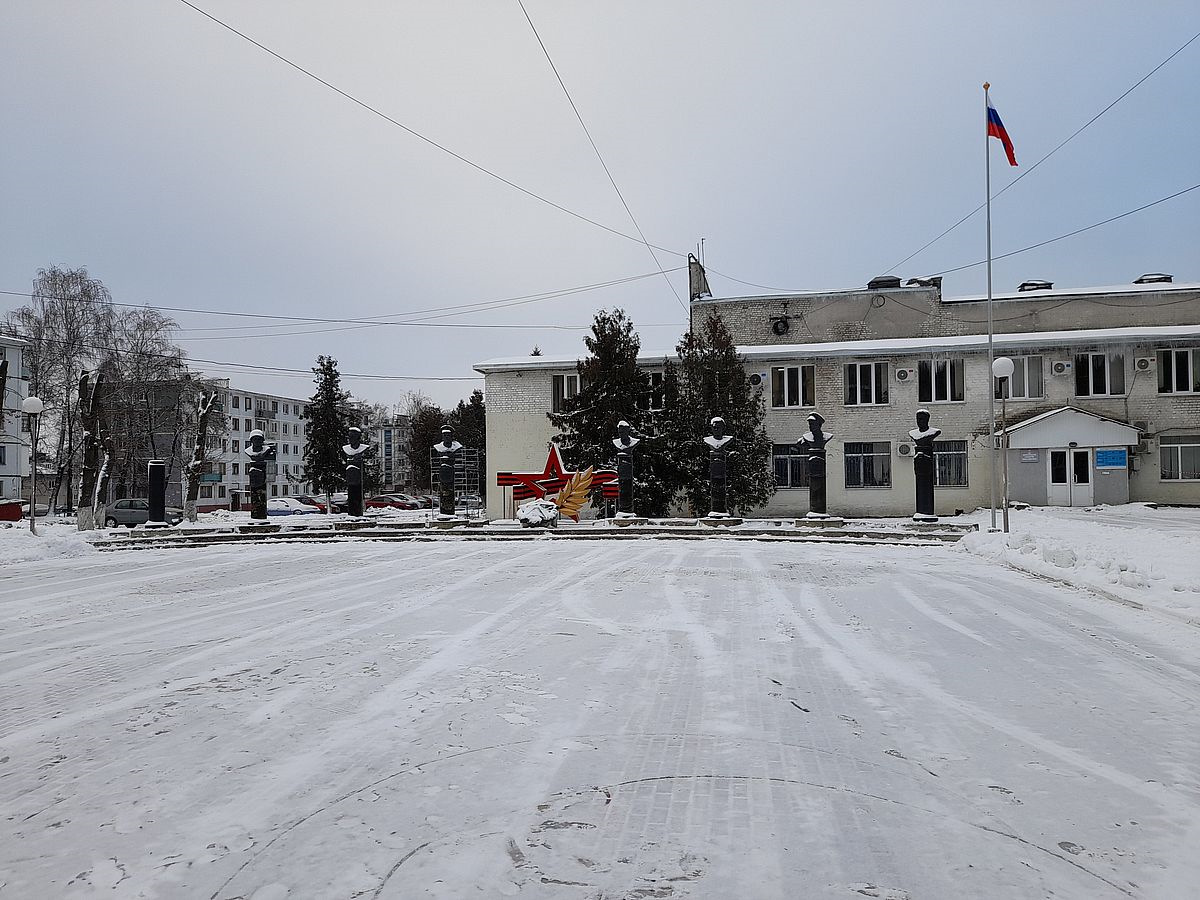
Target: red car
[(311, 501), (392, 501)]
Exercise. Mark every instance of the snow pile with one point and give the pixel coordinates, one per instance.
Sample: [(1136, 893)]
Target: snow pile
[(1134, 553), (52, 541)]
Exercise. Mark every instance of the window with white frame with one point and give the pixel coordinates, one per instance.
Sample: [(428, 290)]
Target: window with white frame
[(866, 383), (793, 386), (236, 468), (791, 466), (1099, 374), (1026, 381), (233, 425), (274, 490), (565, 387), (206, 492), (235, 401), (950, 463), (868, 464), (941, 380), (1179, 371), (1179, 457), (221, 491), (3, 455)]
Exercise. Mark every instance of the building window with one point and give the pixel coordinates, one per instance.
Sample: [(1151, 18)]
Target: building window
[(274, 406), (206, 492), (287, 410), (950, 463), (3, 455), (246, 406), (940, 380), (868, 464), (237, 446), (1026, 380), (791, 466), (274, 490), (653, 401), (295, 428), (793, 386), (1179, 371), (274, 428), (234, 425), (285, 449), (224, 446), (285, 490), (866, 383), (1179, 457), (565, 387), (249, 425), (221, 491), (236, 468), (1099, 374)]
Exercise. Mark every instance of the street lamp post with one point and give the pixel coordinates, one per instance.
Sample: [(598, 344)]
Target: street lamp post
[(32, 407), (1002, 369)]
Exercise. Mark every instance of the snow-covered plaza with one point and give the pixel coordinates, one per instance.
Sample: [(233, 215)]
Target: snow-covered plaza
[(595, 719)]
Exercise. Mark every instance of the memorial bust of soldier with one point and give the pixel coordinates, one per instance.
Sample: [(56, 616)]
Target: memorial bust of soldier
[(625, 439)]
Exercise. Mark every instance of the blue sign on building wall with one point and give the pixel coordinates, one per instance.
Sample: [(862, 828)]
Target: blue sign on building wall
[(1112, 459)]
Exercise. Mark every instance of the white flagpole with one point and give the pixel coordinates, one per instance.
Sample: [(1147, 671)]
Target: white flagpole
[(987, 157)]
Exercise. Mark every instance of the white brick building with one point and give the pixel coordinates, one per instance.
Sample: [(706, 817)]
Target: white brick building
[(14, 440), (1105, 402)]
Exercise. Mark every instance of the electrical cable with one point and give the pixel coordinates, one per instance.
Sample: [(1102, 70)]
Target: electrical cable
[(1073, 135), (596, 149), (1071, 233)]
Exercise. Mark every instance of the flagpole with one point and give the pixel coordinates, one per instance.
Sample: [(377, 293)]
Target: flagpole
[(987, 164)]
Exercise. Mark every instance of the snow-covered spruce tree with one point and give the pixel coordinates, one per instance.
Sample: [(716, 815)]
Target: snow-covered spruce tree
[(469, 421), (328, 413), (195, 466), (711, 381), (612, 388)]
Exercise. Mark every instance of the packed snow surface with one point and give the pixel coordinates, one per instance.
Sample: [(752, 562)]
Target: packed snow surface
[(618, 719)]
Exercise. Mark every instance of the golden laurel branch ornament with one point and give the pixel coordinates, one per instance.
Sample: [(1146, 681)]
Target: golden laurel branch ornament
[(574, 493)]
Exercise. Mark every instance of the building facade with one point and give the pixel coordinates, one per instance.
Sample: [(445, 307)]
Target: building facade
[(225, 484), (391, 440), (14, 434), (1103, 405)]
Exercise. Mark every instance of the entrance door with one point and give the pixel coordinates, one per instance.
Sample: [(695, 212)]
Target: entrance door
[(1070, 478), (1081, 478)]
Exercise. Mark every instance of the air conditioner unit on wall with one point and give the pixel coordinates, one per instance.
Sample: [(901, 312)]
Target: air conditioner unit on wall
[(905, 374), (1060, 367), (1144, 363), (759, 380)]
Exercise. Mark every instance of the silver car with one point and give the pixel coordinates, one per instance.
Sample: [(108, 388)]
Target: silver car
[(136, 511)]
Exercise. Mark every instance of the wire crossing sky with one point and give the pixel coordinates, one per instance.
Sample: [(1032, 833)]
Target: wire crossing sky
[(445, 165)]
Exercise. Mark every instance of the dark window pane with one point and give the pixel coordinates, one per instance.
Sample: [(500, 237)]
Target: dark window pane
[(925, 381), (793, 386), (1189, 462), (1058, 466), (1168, 461), (799, 471), (1081, 466), (957, 380), (940, 381), (881, 382), (1099, 381), (864, 383), (1081, 375), (851, 385), (777, 387), (781, 471), (1166, 360), (1033, 373), (810, 397)]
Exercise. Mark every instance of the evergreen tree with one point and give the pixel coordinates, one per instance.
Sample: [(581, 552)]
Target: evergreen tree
[(426, 421), (612, 388), (469, 420), (328, 419), (711, 381)]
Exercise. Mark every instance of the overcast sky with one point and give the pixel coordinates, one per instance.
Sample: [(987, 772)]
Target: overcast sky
[(812, 145)]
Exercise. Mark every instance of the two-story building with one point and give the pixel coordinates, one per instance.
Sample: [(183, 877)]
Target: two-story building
[(14, 438), (1103, 405)]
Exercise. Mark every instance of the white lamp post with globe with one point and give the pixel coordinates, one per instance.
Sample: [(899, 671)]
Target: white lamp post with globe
[(32, 407), (1002, 369)]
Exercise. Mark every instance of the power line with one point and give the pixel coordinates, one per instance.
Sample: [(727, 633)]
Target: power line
[(599, 156), (1071, 233), (1062, 144), (428, 140)]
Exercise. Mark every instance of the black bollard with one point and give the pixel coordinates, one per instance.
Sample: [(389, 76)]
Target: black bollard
[(156, 480)]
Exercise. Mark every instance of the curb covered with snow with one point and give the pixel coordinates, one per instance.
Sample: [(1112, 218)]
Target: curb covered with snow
[(1121, 553)]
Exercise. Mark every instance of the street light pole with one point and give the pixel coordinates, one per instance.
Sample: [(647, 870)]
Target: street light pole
[(32, 407), (1002, 369)]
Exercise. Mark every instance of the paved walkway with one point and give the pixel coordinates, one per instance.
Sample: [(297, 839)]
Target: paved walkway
[(611, 719)]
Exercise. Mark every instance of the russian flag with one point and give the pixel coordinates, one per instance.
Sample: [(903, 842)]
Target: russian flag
[(996, 129)]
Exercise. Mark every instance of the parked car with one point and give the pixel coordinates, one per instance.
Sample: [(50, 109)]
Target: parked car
[(289, 506), (136, 511), (392, 501), (311, 501)]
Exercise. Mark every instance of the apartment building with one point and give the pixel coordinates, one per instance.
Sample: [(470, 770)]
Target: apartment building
[(391, 441), (1103, 405), (14, 436), (224, 484)]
